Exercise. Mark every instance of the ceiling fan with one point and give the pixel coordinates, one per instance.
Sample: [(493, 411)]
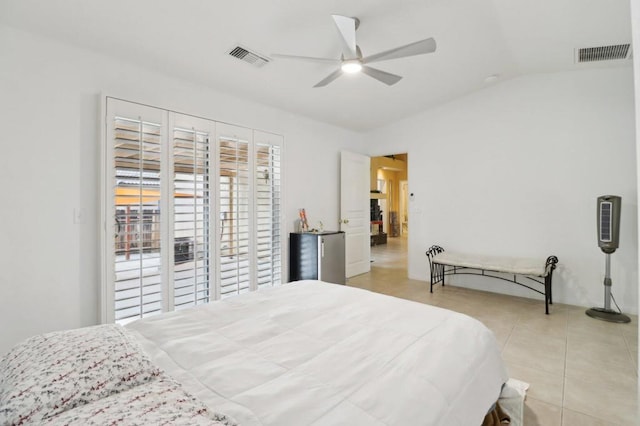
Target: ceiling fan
[(352, 61)]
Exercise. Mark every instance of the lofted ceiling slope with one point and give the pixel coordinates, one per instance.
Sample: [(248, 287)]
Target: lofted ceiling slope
[(190, 39)]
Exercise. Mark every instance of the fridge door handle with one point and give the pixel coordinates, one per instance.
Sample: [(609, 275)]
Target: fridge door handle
[(322, 248)]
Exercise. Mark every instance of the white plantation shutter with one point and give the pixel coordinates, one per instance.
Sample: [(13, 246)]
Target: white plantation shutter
[(235, 209), (268, 209), (134, 217), (192, 211), (192, 270), (137, 218)]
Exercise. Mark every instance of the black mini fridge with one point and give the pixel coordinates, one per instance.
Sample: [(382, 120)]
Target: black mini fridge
[(317, 256)]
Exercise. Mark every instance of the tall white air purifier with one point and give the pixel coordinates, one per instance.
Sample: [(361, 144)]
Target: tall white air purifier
[(608, 241)]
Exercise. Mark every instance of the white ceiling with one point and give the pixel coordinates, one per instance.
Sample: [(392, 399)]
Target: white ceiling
[(476, 38)]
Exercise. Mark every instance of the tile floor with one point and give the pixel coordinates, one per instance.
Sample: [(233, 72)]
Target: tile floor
[(582, 371)]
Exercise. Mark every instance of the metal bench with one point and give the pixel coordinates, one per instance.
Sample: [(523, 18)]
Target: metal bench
[(524, 270)]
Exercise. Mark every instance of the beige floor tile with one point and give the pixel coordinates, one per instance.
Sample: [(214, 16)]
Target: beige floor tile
[(598, 399), (502, 334), (495, 317), (543, 386), (554, 325), (631, 335), (573, 418), (532, 349), (609, 374), (632, 346), (595, 338), (584, 353), (580, 322), (633, 351), (605, 337), (538, 413)]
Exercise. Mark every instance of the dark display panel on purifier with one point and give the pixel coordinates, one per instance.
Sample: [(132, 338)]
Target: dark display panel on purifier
[(609, 222), (317, 256)]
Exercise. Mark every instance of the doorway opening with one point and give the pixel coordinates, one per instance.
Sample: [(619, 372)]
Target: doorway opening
[(389, 200)]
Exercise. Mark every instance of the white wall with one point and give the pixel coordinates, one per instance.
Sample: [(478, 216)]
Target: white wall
[(635, 20), (49, 165), (515, 169)]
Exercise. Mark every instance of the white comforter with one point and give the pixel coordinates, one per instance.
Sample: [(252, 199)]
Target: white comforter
[(311, 353)]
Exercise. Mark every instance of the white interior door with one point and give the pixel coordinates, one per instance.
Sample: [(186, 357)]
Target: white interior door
[(354, 211)]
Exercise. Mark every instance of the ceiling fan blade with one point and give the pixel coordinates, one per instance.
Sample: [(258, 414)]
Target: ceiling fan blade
[(306, 58), (417, 48), (328, 79), (383, 76), (347, 29)]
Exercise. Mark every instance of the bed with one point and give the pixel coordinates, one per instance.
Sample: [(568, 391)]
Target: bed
[(312, 353)]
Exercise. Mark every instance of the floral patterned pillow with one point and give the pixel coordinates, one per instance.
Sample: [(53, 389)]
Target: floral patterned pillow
[(55, 372), (161, 402)]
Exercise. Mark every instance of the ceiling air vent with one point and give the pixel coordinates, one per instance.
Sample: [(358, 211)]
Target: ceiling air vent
[(248, 56), (603, 53)]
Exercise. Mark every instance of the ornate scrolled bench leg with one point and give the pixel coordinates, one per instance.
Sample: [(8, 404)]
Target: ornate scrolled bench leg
[(435, 272), (552, 262)]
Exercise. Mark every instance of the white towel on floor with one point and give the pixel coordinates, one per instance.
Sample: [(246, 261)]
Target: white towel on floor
[(512, 400)]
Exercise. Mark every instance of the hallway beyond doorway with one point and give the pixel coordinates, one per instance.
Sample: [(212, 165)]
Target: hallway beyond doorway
[(392, 255)]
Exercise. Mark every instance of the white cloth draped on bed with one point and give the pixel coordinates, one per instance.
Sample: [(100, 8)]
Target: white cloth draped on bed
[(311, 353)]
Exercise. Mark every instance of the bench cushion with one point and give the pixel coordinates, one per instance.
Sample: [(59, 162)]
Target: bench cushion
[(510, 265)]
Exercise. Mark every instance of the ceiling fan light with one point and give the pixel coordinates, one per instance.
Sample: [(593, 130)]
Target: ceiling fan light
[(351, 67)]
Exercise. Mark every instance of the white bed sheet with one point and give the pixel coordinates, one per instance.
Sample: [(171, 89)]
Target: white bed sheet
[(312, 353)]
